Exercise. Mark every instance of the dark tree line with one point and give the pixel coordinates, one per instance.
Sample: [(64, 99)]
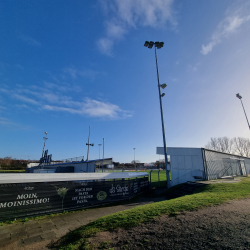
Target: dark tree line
[(237, 145), (9, 163)]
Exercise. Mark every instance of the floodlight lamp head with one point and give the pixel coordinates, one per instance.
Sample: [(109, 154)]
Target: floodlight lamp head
[(92, 144), (163, 86), (159, 45), (45, 133), (162, 94), (151, 44), (239, 96), (146, 43)]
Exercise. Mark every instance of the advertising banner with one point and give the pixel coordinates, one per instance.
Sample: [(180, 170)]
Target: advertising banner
[(33, 199)]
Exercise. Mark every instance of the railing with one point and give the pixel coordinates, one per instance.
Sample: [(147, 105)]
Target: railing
[(157, 178), (224, 171), (74, 159)]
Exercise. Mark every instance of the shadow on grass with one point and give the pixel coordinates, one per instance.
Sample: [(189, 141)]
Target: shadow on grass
[(176, 191), (79, 237)]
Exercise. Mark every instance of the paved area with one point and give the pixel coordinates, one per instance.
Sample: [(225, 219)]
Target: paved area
[(37, 234)]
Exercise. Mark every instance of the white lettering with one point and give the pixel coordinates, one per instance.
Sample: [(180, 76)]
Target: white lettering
[(9, 204), (25, 196), (3, 204)]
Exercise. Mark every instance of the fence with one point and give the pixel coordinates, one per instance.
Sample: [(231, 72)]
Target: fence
[(218, 164), (157, 178), (19, 200), (73, 159)]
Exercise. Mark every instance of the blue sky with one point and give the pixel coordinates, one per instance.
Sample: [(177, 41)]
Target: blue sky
[(68, 65)]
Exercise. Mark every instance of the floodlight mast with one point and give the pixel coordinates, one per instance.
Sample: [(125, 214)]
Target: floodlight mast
[(240, 97), (99, 149), (134, 158), (159, 45), (89, 144), (45, 139), (103, 155)]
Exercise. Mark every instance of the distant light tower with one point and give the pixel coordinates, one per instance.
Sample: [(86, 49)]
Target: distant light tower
[(99, 149), (134, 158), (45, 139), (240, 97), (103, 154), (159, 45), (88, 144)]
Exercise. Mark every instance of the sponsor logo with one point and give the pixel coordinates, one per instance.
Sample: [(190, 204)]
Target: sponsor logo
[(101, 195)]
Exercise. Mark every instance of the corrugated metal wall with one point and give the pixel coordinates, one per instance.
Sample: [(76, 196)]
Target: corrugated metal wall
[(219, 164)]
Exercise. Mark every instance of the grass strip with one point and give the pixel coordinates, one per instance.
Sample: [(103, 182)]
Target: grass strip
[(209, 195), (12, 171)]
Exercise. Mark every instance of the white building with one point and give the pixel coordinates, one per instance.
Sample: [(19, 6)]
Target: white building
[(192, 164)]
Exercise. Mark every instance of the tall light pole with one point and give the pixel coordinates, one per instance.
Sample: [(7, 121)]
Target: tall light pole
[(159, 45), (134, 158), (99, 149), (88, 144), (240, 97), (103, 155), (45, 139)]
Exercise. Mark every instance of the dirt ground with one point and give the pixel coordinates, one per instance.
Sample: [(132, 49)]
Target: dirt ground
[(225, 226)]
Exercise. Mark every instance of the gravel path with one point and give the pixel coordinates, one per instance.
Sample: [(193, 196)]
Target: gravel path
[(225, 226)]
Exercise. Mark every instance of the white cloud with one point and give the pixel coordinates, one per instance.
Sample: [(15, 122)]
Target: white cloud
[(115, 30), (105, 45), (226, 28), (88, 73), (192, 68), (94, 108), (48, 100), (25, 99), (4, 121), (124, 15), (11, 125)]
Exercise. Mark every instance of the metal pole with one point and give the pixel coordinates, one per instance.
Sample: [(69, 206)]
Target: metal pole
[(88, 152), (245, 114), (159, 184), (134, 159), (99, 150), (162, 122), (103, 155), (45, 139), (88, 146)]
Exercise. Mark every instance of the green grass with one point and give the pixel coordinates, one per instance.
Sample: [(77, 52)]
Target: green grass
[(154, 178), (209, 195), (12, 171)]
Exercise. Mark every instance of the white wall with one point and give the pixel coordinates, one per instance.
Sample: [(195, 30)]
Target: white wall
[(185, 163)]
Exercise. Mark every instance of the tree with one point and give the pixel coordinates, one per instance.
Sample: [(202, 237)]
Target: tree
[(237, 145), (242, 146), (160, 163), (222, 144), (134, 162)]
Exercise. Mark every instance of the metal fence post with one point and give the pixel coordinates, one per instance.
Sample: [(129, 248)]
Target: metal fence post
[(159, 178), (150, 178)]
